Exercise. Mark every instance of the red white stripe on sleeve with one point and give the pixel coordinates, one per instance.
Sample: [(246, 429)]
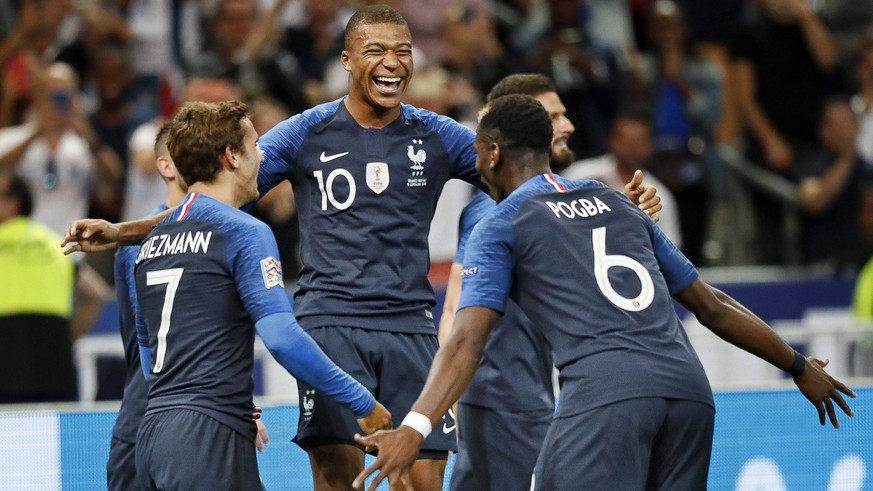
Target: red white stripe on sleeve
[(186, 206), (554, 182)]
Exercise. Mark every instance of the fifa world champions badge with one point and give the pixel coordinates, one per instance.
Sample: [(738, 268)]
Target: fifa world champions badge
[(271, 269)]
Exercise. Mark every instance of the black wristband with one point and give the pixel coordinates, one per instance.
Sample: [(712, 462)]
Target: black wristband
[(799, 366)]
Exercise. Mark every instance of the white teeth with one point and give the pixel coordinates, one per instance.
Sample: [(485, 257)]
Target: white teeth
[(388, 80)]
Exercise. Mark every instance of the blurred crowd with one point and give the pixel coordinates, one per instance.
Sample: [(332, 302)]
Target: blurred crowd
[(755, 117)]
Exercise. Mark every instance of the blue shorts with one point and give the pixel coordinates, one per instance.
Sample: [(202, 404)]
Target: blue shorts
[(497, 449), (181, 449), (392, 366), (121, 466), (645, 443)]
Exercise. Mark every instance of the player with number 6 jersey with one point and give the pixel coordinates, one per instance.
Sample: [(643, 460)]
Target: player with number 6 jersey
[(597, 276)]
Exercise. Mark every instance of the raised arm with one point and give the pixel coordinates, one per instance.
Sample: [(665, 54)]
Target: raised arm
[(736, 324)]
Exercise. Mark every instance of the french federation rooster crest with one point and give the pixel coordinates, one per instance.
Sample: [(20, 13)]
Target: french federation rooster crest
[(417, 158)]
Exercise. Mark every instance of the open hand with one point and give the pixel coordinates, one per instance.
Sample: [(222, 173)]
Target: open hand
[(822, 390), (398, 450)]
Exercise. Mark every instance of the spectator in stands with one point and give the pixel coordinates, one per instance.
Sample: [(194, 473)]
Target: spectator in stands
[(115, 117), (588, 75), (36, 360), (471, 46), (432, 23), (244, 51), (58, 152), (100, 22), (26, 50), (829, 192), (781, 65), (862, 102), (684, 92), (630, 149), (59, 155), (315, 45)]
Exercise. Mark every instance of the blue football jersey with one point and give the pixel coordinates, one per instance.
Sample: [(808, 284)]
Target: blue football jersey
[(133, 401), (597, 276), (365, 199), (204, 276), (516, 368)]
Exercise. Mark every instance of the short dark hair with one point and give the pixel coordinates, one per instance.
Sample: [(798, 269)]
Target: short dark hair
[(372, 14), (19, 190), (532, 84), (199, 134), (521, 122), (161, 138)]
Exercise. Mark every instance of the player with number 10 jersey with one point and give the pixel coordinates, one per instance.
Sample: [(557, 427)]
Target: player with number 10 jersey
[(365, 199)]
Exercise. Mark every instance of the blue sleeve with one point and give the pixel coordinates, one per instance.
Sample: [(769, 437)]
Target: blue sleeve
[(125, 286), (458, 140), (142, 338), (128, 307), (302, 357), (676, 268), (488, 265), (145, 359), (253, 257), (280, 145), (479, 206)]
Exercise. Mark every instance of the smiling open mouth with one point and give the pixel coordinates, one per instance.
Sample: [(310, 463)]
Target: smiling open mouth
[(387, 85)]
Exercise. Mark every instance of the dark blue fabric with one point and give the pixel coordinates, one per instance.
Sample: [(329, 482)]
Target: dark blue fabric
[(592, 271), (365, 199)]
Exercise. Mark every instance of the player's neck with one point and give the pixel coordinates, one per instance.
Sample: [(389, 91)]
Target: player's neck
[(523, 173), (222, 188), (175, 196), (368, 116)]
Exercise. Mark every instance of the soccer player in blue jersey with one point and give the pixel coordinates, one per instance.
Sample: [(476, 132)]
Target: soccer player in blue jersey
[(598, 277), (505, 412), (207, 278), (121, 467)]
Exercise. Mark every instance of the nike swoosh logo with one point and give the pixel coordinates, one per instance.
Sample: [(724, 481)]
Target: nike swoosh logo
[(447, 430), (328, 158)]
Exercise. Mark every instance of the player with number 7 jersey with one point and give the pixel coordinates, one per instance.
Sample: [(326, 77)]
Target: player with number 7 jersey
[(208, 278)]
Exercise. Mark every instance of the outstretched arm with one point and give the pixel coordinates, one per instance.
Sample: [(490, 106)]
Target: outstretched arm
[(734, 323), (453, 368), (93, 235)]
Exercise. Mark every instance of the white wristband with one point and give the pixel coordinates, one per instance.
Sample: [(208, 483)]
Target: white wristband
[(418, 422)]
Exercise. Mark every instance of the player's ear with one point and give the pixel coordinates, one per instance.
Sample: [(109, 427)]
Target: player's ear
[(496, 156), (344, 59), (230, 157), (165, 167)]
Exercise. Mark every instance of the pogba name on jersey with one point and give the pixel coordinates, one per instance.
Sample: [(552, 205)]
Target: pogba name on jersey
[(179, 243), (578, 208)]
